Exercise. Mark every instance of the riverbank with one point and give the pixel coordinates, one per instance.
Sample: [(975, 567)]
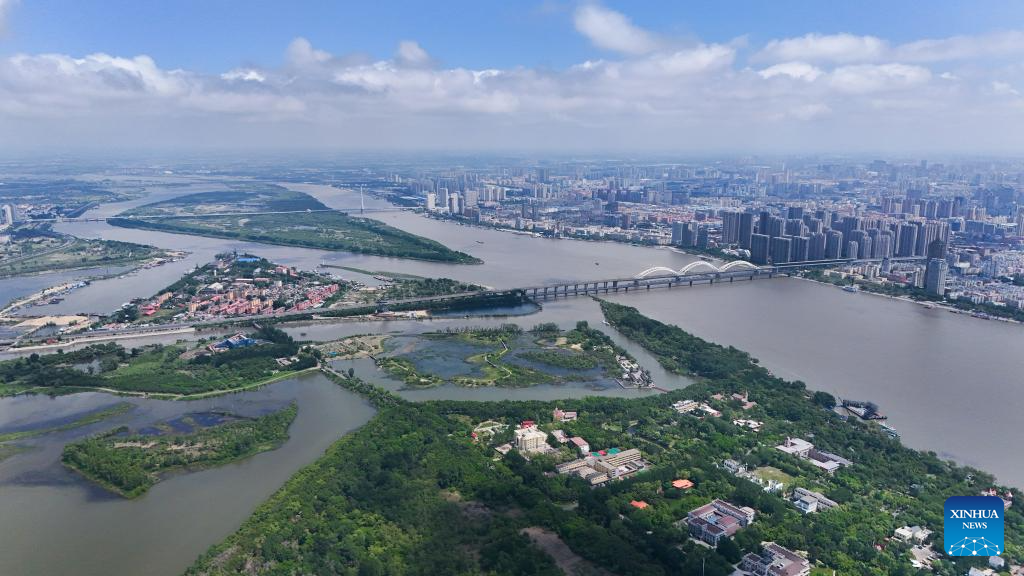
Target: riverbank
[(116, 410), (86, 340), (936, 304), (66, 288), (173, 396)]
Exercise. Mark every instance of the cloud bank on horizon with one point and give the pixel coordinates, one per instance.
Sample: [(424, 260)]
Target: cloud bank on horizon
[(649, 91)]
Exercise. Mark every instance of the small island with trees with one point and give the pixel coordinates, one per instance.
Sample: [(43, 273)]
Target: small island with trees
[(130, 463)]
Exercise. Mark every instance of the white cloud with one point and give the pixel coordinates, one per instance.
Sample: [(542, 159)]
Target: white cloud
[(612, 30), (698, 97), (244, 74), (849, 48), (1005, 44), (866, 78), (302, 54), (703, 58), (798, 70), (411, 53), (839, 48)]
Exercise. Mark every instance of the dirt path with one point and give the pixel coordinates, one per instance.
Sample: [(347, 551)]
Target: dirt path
[(568, 561)]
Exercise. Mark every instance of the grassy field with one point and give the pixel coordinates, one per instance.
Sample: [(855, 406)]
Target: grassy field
[(246, 197), (772, 473)]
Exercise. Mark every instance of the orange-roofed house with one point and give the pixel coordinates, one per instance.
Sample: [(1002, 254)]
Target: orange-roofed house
[(682, 484), (639, 504)]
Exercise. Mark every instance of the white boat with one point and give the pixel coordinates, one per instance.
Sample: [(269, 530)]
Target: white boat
[(851, 288)]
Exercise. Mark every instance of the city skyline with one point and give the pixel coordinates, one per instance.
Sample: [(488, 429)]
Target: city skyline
[(569, 77)]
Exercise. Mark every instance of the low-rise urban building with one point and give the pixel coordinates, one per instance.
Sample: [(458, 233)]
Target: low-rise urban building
[(774, 560), (912, 534), (804, 450), (580, 445), (809, 501), (685, 406), (559, 415), (682, 484), (718, 519), (754, 425), (600, 467)]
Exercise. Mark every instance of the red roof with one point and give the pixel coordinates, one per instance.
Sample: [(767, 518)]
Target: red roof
[(639, 504), (682, 484)]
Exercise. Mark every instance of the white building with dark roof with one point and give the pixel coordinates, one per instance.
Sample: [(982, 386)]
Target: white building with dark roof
[(774, 560)]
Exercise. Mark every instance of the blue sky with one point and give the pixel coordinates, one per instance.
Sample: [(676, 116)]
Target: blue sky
[(214, 35), (701, 76)]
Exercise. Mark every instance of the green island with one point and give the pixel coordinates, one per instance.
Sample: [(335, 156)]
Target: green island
[(401, 288), (288, 218), (238, 198), (35, 248), (506, 356), (176, 371), (130, 464), (418, 490)]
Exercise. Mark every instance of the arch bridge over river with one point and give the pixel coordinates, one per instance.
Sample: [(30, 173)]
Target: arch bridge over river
[(699, 272)]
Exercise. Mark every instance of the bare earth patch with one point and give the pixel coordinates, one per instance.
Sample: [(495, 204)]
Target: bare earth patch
[(568, 561)]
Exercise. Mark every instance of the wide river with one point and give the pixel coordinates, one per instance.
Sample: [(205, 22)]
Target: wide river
[(946, 381)]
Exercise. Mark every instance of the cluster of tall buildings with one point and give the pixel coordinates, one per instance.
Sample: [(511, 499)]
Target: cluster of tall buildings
[(462, 203), (797, 235)]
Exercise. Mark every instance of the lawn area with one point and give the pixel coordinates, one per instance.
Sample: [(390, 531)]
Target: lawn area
[(773, 473)]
